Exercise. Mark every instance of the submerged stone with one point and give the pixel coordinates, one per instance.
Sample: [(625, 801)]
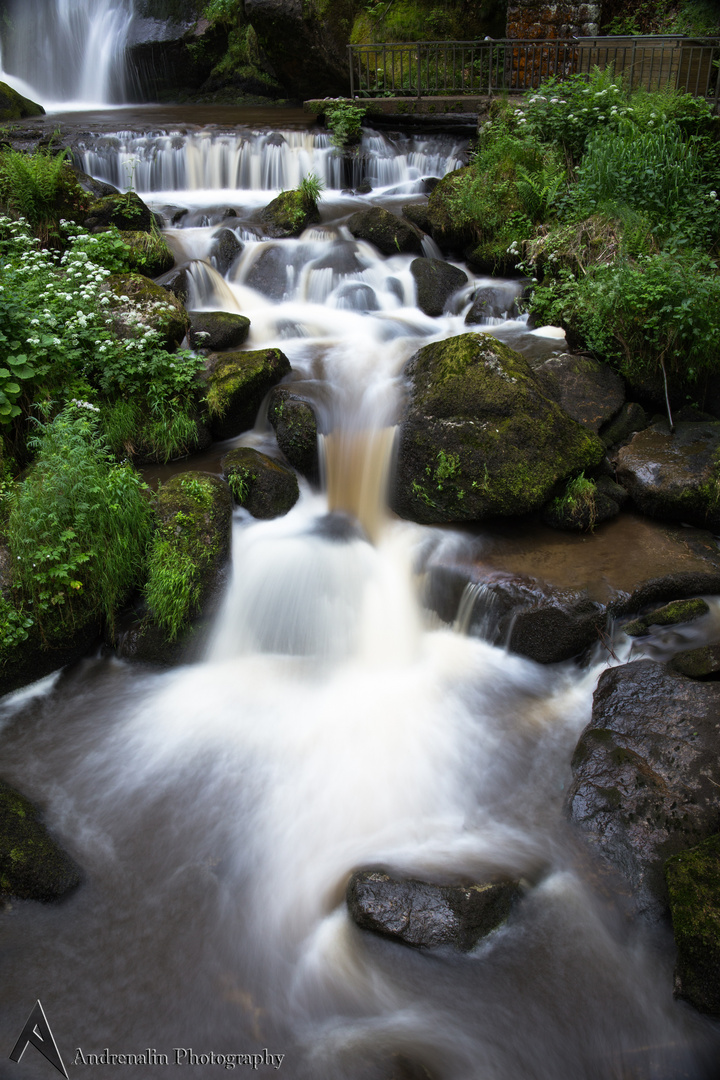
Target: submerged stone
[(494, 302), (480, 438), (265, 487), (425, 915), (225, 249), (237, 385), (693, 882), (32, 865)]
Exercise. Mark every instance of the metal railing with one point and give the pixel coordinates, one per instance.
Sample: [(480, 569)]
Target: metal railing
[(449, 68)]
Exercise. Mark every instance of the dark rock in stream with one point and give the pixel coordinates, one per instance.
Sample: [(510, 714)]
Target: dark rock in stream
[(631, 418), (425, 915), (289, 215), (647, 774), (295, 426), (225, 249), (680, 611), (390, 234), (126, 211), (217, 330), (237, 385), (265, 487), (435, 282), (589, 391), (32, 865), (494, 302), (693, 882), (177, 282)]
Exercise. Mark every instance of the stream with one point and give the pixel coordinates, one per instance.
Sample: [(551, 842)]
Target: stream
[(218, 809)]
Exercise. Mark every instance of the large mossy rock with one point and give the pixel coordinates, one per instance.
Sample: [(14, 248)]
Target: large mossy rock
[(140, 302), (296, 430), (674, 475), (187, 566), (149, 253), (480, 438), (693, 883), (647, 774), (425, 915), (435, 282), (288, 215), (265, 487), (237, 384), (217, 330), (128, 212), (14, 106), (389, 234), (441, 216), (32, 865)]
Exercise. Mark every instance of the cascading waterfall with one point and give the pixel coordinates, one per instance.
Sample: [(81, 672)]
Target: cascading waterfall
[(218, 809), (72, 54)]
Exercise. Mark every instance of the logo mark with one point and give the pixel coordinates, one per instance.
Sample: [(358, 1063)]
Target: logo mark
[(37, 1033)]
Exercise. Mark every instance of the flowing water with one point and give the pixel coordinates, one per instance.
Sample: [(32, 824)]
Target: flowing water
[(217, 810)]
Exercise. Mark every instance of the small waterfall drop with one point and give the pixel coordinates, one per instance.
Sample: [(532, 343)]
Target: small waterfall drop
[(73, 53)]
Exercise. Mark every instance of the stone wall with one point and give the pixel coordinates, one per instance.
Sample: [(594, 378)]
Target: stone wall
[(548, 19)]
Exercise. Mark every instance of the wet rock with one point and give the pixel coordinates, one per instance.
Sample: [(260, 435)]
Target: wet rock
[(268, 273), (295, 426), (480, 438), (702, 663), (140, 302), (417, 214), (149, 254), (580, 508), (387, 232), (591, 392), (186, 569), (693, 883), (357, 296), (425, 915), (217, 330), (341, 259), (127, 212), (14, 106), (680, 611), (607, 486), (225, 249), (237, 385), (674, 475), (435, 282), (97, 188), (289, 215), (32, 865), (305, 43), (647, 774), (177, 282), (441, 217), (494, 302), (265, 487)]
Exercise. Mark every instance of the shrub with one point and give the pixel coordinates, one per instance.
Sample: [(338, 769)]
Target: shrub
[(344, 120), (30, 186), (310, 189)]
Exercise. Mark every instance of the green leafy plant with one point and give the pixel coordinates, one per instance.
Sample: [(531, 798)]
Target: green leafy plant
[(344, 119), (577, 505), (30, 185), (311, 187)]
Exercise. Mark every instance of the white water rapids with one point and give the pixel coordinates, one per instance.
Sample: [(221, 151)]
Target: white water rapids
[(218, 809)]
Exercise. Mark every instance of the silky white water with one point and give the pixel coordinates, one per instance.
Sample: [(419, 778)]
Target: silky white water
[(218, 809)]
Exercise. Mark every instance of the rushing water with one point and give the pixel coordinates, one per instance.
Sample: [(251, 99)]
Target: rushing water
[(218, 809)]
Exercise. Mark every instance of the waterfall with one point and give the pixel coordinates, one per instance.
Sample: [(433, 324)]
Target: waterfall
[(71, 54)]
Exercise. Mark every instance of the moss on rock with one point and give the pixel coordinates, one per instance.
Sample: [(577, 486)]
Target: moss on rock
[(141, 302), (678, 611), (217, 330), (237, 385), (296, 431), (265, 487), (14, 106), (289, 215), (127, 212), (149, 253), (390, 234), (693, 881), (32, 865), (480, 438)]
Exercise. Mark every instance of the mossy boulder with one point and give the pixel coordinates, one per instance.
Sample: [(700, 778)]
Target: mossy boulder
[(701, 663), (435, 282), (390, 234), (237, 384), (296, 431), (265, 487), (417, 214), (441, 216), (14, 106), (187, 562), (674, 475), (127, 212), (32, 865), (217, 330), (149, 253), (479, 438), (678, 611), (289, 215), (140, 302), (693, 883)]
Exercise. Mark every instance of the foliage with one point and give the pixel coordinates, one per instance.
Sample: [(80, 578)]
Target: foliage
[(344, 120), (30, 185), (79, 524), (577, 506), (311, 187), (222, 11)]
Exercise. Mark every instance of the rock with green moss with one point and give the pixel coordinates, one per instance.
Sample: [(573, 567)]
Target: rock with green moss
[(128, 212), (678, 611), (289, 215), (14, 106), (186, 570), (435, 282), (449, 232), (139, 303), (693, 883), (647, 774), (417, 215), (237, 385), (149, 253), (265, 487), (296, 431), (479, 438), (701, 663), (32, 865), (217, 330), (579, 508), (674, 475), (390, 234)]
